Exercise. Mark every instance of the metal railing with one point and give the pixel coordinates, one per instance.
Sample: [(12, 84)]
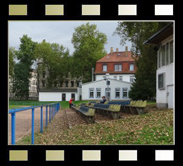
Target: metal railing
[(53, 109)]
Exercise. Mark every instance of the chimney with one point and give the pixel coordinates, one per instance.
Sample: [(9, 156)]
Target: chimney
[(111, 50), (116, 49), (126, 50)]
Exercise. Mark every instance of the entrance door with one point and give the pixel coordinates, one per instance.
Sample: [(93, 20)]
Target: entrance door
[(108, 94), (73, 96), (63, 96), (170, 96)]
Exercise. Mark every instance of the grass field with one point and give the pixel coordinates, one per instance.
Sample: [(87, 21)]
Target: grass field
[(152, 128), (13, 104)]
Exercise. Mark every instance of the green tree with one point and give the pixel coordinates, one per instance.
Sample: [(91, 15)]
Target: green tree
[(89, 47), (144, 86), (11, 60), (55, 61), (22, 70)]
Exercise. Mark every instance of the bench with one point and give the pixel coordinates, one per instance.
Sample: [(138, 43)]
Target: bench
[(86, 112), (111, 110), (136, 107), (122, 103)]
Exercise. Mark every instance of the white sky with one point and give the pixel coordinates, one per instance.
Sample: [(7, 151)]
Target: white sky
[(61, 32)]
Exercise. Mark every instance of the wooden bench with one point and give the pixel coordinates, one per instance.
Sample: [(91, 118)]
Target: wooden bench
[(86, 112), (136, 107), (111, 110)]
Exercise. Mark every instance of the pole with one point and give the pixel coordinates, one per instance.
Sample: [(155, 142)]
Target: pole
[(32, 141), (13, 128)]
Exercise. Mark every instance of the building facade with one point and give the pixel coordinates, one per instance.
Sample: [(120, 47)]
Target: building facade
[(115, 90), (60, 90), (33, 84), (164, 44), (118, 65)]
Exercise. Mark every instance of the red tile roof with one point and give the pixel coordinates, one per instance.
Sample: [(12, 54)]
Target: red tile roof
[(117, 57)]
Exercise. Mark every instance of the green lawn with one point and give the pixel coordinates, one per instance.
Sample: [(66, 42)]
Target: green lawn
[(64, 104)]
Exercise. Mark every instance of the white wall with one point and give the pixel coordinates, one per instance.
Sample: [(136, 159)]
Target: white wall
[(161, 95), (102, 84), (55, 96), (126, 77)]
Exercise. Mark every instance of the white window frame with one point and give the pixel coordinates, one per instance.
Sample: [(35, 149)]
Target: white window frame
[(90, 90), (133, 67), (98, 90), (116, 67), (121, 78), (125, 91), (103, 67), (163, 87), (117, 90), (132, 77)]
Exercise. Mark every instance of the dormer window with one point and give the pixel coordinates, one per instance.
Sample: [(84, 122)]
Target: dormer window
[(117, 67), (131, 67), (104, 67)]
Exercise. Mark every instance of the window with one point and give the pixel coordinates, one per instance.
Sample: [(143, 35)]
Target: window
[(163, 55), (171, 51), (117, 92), (161, 81), (115, 77), (167, 53), (131, 67), (43, 83), (91, 93), (104, 67), (132, 78), (66, 83), (72, 83), (98, 92), (117, 67), (121, 78), (125, 92), (77, 83)]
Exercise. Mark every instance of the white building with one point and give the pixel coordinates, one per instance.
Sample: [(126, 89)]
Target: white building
[(117, 90), (165, 66)]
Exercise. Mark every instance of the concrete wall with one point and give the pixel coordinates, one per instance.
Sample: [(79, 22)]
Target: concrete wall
[(161, 95), (55, 96), (126, 77), (102, 84)]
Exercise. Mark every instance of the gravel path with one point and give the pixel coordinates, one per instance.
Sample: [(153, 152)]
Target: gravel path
[(23, 123)]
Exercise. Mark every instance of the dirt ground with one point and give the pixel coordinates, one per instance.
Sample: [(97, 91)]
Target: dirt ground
[(24, 123)]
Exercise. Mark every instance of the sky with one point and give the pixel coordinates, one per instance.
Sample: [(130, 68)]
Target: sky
[(61, 32)]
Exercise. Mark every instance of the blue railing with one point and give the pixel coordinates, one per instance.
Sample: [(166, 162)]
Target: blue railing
[(53, 109)]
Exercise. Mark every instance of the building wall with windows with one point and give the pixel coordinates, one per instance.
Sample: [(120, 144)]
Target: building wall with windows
[(120, 77), (165, 74), (119, 65), (118, 90)]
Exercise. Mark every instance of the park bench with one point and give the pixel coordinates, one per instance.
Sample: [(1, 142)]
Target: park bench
[(136, 107), (86, 112), (111, 110), (122, 103), (139, 107)]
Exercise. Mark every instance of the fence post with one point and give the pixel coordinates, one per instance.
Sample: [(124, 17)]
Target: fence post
[(41, 129), (13, 128), (49, 113), (46, 115), (32, 141)]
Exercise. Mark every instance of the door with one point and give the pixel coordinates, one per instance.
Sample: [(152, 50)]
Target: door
[(170, 96), (63, 96), (108, 94), (73, 96)]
